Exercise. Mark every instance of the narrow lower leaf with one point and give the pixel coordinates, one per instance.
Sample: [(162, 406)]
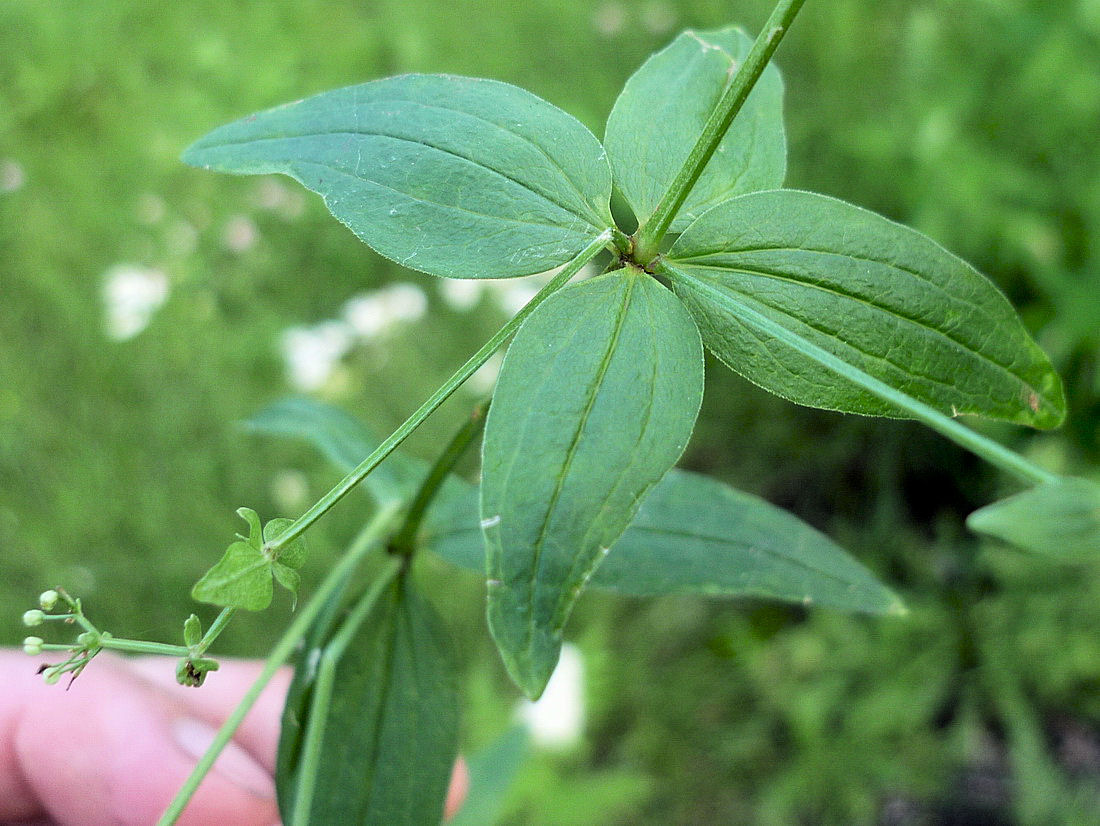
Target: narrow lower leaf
[(595, 402), (389, 736), (661, 111), (696, 535), (1059, 519), (453, 176), (884, 299), (493, 772), (342, 439)]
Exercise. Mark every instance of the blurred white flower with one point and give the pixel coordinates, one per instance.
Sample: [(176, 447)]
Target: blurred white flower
[(658, 17), (290, 490), (150, 208), (404, 302), (513, 295), (273, 195), (461, 294), (131, 295), (269, 193), (610, 18), (12, 176), (240, 234), (373, 314), (311, 354), (366, 315), (556, 719)]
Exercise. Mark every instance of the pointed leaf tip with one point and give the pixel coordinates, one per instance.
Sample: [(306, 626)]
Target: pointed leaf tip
[(1060, 519)]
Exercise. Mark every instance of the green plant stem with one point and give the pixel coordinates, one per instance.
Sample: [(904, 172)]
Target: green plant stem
[(142, 647), (322, 694), (322, 506), (621, 242), (370, 536), (404, 540), (216, 627), (647, 239), (994, 453)]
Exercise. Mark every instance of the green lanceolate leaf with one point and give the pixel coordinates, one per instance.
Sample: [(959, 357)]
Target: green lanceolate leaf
[(341, 439), (662, 109), (887, 301), (696, 535), (242, 577), (595, 402), (389, 728), (1058, 519), (493, 771), (453, 176)]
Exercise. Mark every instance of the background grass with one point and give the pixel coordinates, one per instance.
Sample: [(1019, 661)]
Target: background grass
[(121, 464)]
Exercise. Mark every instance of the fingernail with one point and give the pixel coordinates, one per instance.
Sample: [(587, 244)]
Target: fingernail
[(234, 763)]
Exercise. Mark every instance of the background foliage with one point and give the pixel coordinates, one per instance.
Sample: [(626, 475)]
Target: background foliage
[(121, 464)]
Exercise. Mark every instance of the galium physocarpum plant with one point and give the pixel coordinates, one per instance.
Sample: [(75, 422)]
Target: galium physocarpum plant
[(816, 300)]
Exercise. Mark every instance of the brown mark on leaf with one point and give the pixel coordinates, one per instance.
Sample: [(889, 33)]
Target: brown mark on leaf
[(1033, 401)]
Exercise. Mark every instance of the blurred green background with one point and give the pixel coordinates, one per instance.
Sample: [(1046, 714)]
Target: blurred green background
[(121, 462)]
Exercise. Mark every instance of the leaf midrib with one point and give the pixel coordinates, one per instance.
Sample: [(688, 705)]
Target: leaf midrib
[(722, 541), (872, 305), (718, 540), (522, 221), (400, 138), (594, 562), (593, 392), (866, 259)]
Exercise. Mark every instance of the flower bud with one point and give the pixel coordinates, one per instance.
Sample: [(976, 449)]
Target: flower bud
[(52, 675), (33, 617), (89, 639), (32, 646), (48, 599)]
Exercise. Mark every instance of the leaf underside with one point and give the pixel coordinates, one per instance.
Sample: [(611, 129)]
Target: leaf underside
[(883, 298), (1059, 519), (595, 402), (342, 439), (661, 111), (453, 176), (240, 579), (696, 535), (391, 736)]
